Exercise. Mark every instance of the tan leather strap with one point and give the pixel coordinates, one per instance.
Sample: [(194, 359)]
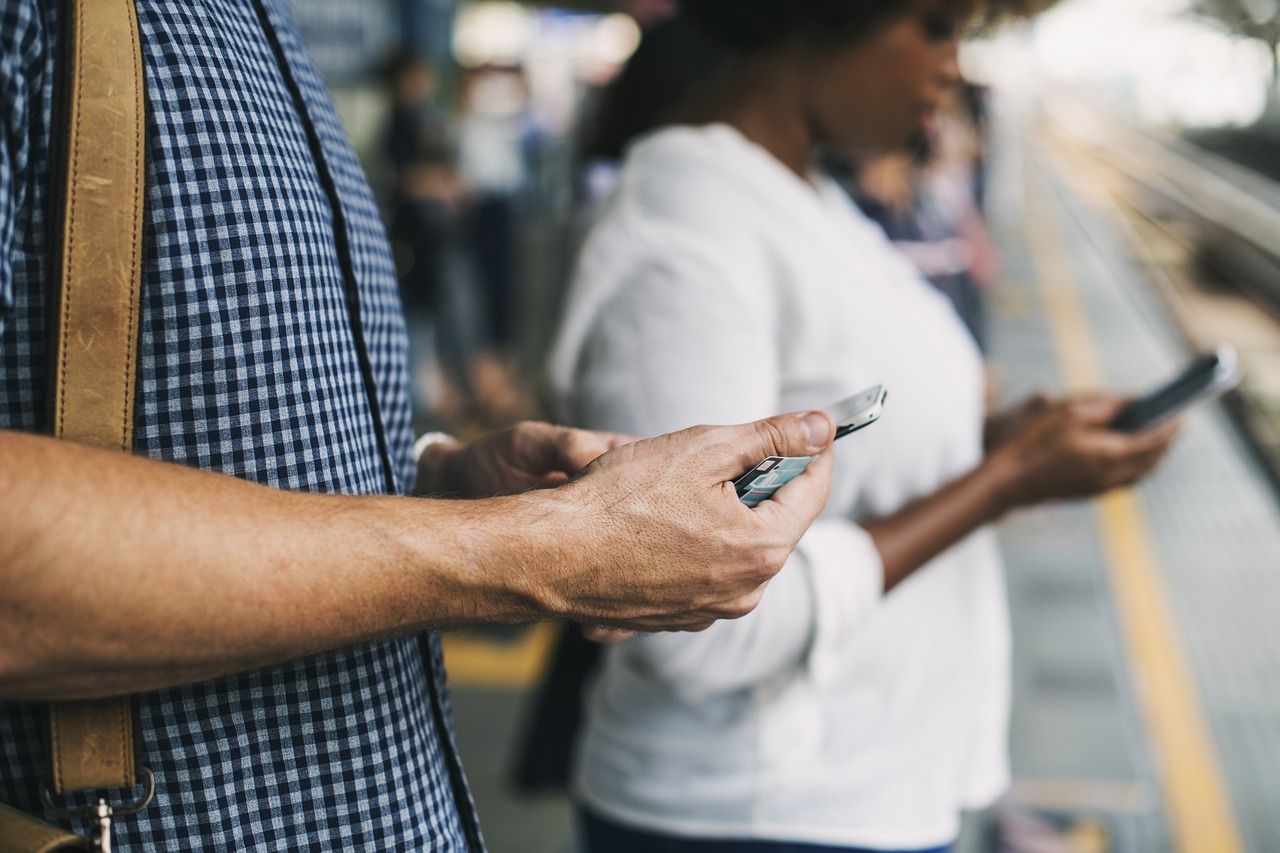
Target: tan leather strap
[(91, 743), (21, 833)]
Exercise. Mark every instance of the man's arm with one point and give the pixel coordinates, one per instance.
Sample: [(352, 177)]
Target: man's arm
[(121, 574)]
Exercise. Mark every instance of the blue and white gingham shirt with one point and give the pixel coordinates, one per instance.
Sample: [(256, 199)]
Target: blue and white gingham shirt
[(259, 225)]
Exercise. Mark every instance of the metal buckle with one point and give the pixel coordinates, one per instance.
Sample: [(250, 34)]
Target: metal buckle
[(102, 812)]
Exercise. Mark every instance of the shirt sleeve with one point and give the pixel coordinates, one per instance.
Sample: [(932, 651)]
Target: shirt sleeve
[(687, 337), (828, 586)]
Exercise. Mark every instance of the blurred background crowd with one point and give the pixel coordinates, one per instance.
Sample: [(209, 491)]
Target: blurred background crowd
[(492, 129)]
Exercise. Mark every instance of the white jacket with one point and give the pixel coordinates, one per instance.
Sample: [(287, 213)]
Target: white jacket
[(719, 287)]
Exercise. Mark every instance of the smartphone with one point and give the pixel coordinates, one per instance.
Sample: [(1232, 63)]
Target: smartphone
[(773, 472), (1206, 377)]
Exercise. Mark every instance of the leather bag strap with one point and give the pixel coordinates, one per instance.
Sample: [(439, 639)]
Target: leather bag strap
[(21, 833), (97, 316)]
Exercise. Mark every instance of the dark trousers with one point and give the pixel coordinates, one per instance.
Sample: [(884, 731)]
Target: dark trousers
[(603, 836)]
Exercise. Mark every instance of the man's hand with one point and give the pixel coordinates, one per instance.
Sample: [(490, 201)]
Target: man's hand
[(213, 575), (526, 456), (652, 535)]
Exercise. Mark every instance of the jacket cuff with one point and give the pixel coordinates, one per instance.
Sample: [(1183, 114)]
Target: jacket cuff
[(847, 574)]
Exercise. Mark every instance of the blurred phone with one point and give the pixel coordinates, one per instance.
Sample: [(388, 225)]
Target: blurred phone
[(1205, 378), (774, 472)]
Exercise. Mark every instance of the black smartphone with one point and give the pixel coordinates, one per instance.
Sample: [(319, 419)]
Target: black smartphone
[(1205, 378), (773, 472)]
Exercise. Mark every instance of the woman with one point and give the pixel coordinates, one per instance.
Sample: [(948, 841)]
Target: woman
[(864, 703)]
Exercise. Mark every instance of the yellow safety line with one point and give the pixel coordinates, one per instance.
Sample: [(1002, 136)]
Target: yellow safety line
[(1200, 815), (477, 661)]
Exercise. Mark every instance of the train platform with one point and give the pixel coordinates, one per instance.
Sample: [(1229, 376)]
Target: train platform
[(1146, 710)]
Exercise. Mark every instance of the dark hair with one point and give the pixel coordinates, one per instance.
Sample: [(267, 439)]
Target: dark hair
[(670, 61), (748, 26)]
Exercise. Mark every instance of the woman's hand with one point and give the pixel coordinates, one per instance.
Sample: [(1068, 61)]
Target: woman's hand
[(1064, 448)]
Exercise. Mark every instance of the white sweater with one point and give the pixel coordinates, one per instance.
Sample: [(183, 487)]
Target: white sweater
[(719, 287)]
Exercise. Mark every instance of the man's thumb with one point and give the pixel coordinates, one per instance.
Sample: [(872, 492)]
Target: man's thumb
[(794, 434)]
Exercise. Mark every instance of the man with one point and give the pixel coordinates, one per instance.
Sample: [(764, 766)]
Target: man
[(269, 620)]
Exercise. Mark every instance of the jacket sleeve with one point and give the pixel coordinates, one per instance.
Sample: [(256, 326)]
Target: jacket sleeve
[(685, 336)]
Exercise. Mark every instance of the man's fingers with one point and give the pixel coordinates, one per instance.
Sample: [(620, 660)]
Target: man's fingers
[(807, 493), (578, 448), (616, 439), (794, 434), (697, 619), (552, 480), (714, 556), (543, 449)]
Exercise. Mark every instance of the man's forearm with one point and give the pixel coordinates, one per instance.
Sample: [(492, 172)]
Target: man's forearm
[(121, 574)]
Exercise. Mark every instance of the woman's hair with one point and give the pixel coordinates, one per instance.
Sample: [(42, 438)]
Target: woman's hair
[(670, 61), (749, 26)]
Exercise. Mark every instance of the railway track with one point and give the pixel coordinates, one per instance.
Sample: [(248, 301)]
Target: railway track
[(1207, 232)]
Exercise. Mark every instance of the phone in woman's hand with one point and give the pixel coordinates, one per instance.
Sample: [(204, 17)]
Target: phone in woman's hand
[(1204, 378)]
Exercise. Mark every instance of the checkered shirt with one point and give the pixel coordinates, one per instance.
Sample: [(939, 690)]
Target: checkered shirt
[(259, 224)]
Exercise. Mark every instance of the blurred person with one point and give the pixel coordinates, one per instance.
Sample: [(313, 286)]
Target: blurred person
[(438, 276), (255, 572), (894, 191), (491, 162), (491, 128), (974, 101), (955, 175), (864, 703), (926, 198)]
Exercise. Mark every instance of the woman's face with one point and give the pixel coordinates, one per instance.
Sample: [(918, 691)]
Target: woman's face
[(875, 94)]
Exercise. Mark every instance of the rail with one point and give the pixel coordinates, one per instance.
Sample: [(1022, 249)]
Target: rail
[(1234, 218)]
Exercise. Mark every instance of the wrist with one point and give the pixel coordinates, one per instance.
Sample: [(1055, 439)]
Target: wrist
[(435, 457), (1000, 475), (553, 552), (475, 562), (993, 430), (527, 552)]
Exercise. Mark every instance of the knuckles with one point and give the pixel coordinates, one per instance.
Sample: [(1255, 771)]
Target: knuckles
[(778, 438), (750, 602), (741, 606)]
